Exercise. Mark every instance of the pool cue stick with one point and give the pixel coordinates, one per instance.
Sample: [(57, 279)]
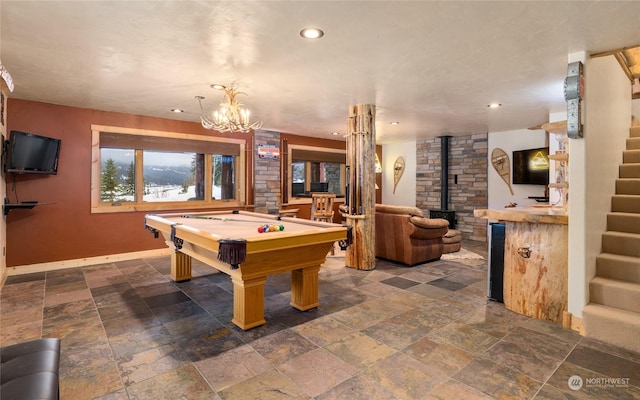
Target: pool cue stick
[(228, 219)]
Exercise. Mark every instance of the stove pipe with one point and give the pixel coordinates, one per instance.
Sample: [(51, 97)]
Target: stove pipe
[(444, 172)]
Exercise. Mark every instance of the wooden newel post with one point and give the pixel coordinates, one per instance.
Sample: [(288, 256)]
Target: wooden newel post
[(361, 181)]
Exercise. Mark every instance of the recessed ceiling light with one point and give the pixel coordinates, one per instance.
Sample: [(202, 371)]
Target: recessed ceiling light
[(494, 105), (217, 86), (311, 33), (335, 133), (177, 110), (394, 123)]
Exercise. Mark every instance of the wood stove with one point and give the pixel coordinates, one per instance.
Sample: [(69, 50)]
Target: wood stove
[(444, 212), (449, 215)]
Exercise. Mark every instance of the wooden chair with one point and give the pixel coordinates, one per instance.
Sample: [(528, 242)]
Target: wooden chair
[(322, 206)]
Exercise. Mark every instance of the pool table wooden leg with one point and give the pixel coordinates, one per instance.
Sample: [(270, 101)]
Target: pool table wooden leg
[(304, 288), (180, 266), (248, 302)]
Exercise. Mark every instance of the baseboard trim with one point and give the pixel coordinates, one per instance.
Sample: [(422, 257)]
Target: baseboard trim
[(572, 322), (83, 262)]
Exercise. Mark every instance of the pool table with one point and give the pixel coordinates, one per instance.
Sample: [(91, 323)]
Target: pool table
[(230, 242)]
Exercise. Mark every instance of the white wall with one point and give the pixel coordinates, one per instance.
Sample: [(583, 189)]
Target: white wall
[(405, 194), (593, 168), (499, 194)]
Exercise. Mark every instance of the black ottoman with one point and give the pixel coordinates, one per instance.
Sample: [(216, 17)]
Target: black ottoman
[(30, 370)]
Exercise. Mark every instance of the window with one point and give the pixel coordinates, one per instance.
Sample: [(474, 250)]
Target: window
[(136, 170), (314, 169), (223, 185)]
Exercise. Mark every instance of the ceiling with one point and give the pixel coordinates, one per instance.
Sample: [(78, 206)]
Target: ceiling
[(432, 66)]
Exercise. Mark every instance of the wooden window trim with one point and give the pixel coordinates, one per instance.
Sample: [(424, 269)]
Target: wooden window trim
[(331, 155), (240, 173)]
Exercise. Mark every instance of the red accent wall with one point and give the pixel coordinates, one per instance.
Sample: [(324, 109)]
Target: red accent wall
[(66, 229)]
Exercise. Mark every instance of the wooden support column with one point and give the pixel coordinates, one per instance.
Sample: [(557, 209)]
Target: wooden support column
[(361, 178)]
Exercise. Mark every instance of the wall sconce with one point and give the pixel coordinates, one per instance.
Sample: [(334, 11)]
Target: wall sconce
[(378, 165)]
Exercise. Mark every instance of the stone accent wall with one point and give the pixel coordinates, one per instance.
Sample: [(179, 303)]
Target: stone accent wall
[(267, 175), (332, 176), (467, 160)]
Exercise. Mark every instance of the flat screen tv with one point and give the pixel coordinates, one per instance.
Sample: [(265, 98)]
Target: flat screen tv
[(32, 154), (531, 166), (297, 189)]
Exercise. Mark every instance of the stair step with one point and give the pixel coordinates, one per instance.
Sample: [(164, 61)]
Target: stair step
[(623, 222), (627, 203), (633, 143), (634, 131), (622, 243), (612, 325), (629, 170), (631, 156), (628, 186), (615, 266), (615, 293)]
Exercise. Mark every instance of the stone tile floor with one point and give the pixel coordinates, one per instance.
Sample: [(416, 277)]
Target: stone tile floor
[(426, 332)]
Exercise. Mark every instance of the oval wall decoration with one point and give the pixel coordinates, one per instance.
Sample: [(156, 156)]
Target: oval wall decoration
[(502, 165)]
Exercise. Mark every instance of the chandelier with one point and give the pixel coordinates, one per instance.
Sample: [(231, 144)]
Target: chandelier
[(231, 116)]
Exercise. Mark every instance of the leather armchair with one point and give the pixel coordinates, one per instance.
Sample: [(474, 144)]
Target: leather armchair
[(406, 236)]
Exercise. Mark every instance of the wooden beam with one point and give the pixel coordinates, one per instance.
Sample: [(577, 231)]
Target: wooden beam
[(611, 52)]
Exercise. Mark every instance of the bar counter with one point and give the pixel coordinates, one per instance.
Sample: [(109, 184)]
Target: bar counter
[(535, 260), (534, 215)]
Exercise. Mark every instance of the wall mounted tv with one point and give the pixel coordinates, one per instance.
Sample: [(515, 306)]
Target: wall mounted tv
[(531, 166), (32, 154)]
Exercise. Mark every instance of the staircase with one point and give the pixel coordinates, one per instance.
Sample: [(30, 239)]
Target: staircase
[(613, 313)]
